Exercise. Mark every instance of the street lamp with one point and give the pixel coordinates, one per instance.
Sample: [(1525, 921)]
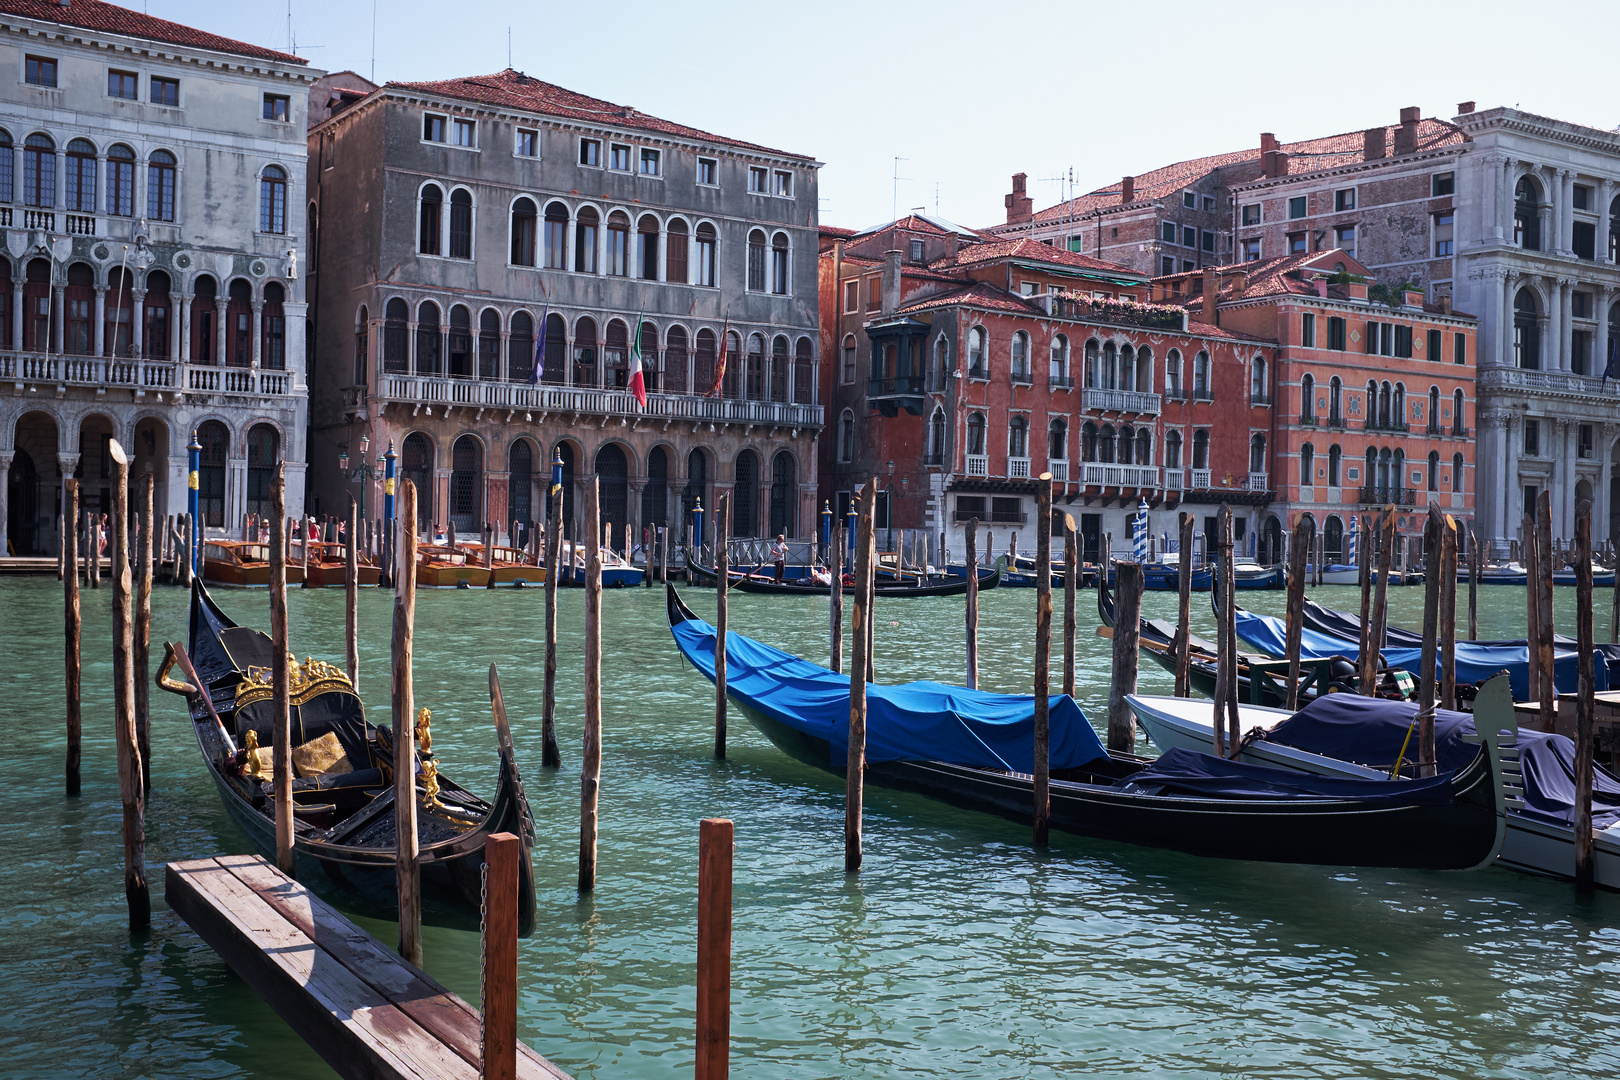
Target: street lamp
[(365, 473)]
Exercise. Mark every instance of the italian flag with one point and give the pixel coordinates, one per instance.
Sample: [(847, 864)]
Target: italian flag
[(638, 383)]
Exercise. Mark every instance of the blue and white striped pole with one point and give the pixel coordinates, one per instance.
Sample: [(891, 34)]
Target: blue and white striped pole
[(1350, 555), (1139, 530)]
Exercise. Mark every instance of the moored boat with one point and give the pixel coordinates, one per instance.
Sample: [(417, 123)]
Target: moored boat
[(329, 565), (243, 564), (746, 581), (448, 567), (509, 566)]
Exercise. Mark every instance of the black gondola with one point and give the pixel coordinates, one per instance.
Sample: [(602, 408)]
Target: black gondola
[(1461, 829), (343, 816), (756, 583)]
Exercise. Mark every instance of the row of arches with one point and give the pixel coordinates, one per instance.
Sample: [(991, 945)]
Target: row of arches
[(1530, 319), (1385, 404), (503, 346), (1106, 365)]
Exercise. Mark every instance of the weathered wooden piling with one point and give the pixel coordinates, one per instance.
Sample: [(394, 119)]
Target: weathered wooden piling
[(407, 869), (1299, 550), (92, 564), (306, 526), (61, 545), (1544, 619), (1475, 568), (1128, 579), (591, 756), (1532, 599), (691, 553), (715, 846), (130, 789), (1071, 577), (1432, 572), (1448, 613), (835, 606), (351, 596), (499, 940), (72, 628), (143, 635), (550, 752), (1184, 572), (1585, 701), (1043, 658), (280, 677), (663, 555), (971, 535), (722, 589), (855, 759), (490, 535), (1376, 629), (1228, 731)]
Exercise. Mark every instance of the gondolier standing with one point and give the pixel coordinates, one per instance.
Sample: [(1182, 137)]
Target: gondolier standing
[(779, 556)]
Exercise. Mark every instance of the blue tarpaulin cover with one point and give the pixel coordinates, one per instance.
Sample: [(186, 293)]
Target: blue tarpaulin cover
[(1186, 772), (1369, 731), (920, 721), (1475, 662)]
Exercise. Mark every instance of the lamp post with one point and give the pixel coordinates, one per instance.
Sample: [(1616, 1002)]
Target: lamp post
[(365, 473), (193, 466), (888, 500), (826, 530)]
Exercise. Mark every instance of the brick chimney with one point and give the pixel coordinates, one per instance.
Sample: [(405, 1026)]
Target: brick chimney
[(891, 281), (1268, 143), (1240, 284), (1274, 163), (1020, 207), (1464, 108), (1127, 190), (1373, 144), (1406, 134), (1211, 290)]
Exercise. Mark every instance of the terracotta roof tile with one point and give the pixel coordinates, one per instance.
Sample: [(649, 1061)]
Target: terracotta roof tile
[(94, 15), (1030, 251), (514, 90)]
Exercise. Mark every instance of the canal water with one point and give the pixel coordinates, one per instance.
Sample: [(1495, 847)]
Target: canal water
[(958, 952)]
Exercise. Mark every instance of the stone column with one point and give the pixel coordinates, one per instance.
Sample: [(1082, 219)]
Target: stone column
[(1602, 192), (1505, 334), (410, 347), (503, 362), (257, 330), (58, 330), (1502, 212), (1558, 325), (185, 329), (663, 252), (1600, 332), (5, 510), (568, 247), (137, 319), (1548, 326), (1566, 228), (1510, 475), (101, 320), (1601, 502), (1545, 216), (18, 315), (441, 498), (219, 331), (1566, 457), (235, 493)]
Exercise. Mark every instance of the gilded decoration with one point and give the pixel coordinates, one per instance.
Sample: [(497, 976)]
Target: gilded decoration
[(304, 681)]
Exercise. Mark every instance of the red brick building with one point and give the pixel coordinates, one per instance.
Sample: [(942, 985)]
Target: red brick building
[(964, 365)]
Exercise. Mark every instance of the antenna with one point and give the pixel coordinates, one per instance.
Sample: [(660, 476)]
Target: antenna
[(894, 205), (508, 46), (373, 40), (289, 27)]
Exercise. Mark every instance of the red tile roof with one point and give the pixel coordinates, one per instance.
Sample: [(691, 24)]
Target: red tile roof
[(1031, 251), (1243, 166), (108, 18), (514, 90)]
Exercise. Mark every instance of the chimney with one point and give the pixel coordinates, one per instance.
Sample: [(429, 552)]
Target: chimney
[(1210, 294), (1464, 108), (1240, 284), (1020, 208), (1406, 134), (1274, 163), (1445, 298), (1268, 143), (1127, 190), (891, 281), (1373, 144)]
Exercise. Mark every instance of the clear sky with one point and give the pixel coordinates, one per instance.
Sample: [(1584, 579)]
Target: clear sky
[(970, 93)]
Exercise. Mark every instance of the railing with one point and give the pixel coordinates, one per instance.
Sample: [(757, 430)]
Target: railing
[(1008, 517), (1103, 474), (1257, 481), (1380, 495), (81, 225), (1126, 401), (978, 465), (980, 373), (1203, 395), (39, 219), (1336, 422), (1059, 470), (5, 217), (60, 370), (424, 390), (1433, 428), (1018, 468), (1060, 382), (1174, 479), (1117, 312), (1175, 395), (1459, 431), (934, 458), (1199, 479), (235, 380), (1557, 382), (1387, 425), (1259, 399), (909, 385), (1307, 421)]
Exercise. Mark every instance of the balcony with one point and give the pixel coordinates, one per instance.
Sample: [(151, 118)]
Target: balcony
[(1060, 382), (979, 373), (1124, 401), (81, 225), (978, 465), (1022, 378), (33, 371), (934, 458), (1202, 394), (1174, 479), (891, 395), (1259, 399), (1116, 312), (1459, 432), (432, 392), (1336, 423), (1307, 421), (1060, 471), (39, 219), (1257, 481), (1379, 495), (1103, 474), (1519, 380), (1018, 468), (1387, 425), (1198, 479), (1176, 394), (5, 217)]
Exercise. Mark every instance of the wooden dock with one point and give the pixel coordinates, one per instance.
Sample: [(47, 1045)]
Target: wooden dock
[(366, 1011)]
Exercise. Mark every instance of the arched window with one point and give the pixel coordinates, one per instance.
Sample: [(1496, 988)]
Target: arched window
[(655, 495), (1456, 474), (1110, 366), (936, 437), (489, 344), (239, 323), (81, 176), (160, 186), (1093, 377), (215, 442), (846, 436), (1018, 437), (1020, 356), (615, 354), (804, 369), (745, 495), (1105, 444), (1058, 373), (1088, 441), (203, 314), (1333, 539), (1127, 445), (362, 347), (650, 367), (708, 250), (1257, 382), (1200, 454), (273, 349), (1459, 421), (555, 334), (1526, 330), (731, 377), (1336, 402), (1307, 400), (396, 342), (263, 454), (461, 224), (1434, 409), (80, 298), (697, 480), (618, 244), (1201, 378), (676, 263), (1434, 470), (1257, 453), (1144, 445), (779, 369), (1334, 456), (613, 474), (428, 339), (118, 333), (466, 483), (273, 200), (756, 368), (1384, 414), (585, 233), (1127, 368), (1397, 467), (1307, 465), (703, 359), (523, 220), (430, 220), (520, 483), (585, 352), (675, 362), (1398, 407), (779, 264), (1172, 450), (978, 351), (7, 178), (1172, 374), (647, 247), (556, 236), (1144, 370), (756, 261), (1057, 440), (1527, 214), (39, 172), (975, 434), (784, 495)]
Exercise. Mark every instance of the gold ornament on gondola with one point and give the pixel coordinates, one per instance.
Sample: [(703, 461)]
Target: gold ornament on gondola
[(430, 767), (250, 746), (304, 681)]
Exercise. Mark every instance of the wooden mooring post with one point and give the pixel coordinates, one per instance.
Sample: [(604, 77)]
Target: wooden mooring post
[(1228, 731), (1544, 619), (591, 756), (1380, 604), (1432, 571), (499, 941), (1585, 702), (280, 677), (722, 589), (407, 870), (971, 535), (130, 789), (351, 596), (72, 629), (835, 605), (1448, 613), (715, 846), (1184, 572), (490, 536), (1475, 568), (1043, 659), (1071, 581), (1128, 585), (143, 636), (855, 757), (306, 526), (550, 752), (1532, 599), (92, 563), (1299, 550)]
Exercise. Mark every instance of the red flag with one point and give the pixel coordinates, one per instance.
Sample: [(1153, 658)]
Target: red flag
[(720, 364)]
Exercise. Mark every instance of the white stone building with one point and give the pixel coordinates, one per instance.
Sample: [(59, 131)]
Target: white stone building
[(151, 214)]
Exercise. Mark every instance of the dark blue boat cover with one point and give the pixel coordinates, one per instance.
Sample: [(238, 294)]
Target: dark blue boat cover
[(1370, 731), (920, 721), (1187, 772), (1476, 661), (1343, 624)]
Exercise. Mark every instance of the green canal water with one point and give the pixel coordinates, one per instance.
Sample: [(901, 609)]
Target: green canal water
[(958, 952)]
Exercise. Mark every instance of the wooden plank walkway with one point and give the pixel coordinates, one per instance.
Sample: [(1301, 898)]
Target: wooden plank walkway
[(367, 1012)]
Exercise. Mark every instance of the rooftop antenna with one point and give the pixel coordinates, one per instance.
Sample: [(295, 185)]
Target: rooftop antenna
[(936, 198), (508, 46), (894, 205), (373, 40)]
